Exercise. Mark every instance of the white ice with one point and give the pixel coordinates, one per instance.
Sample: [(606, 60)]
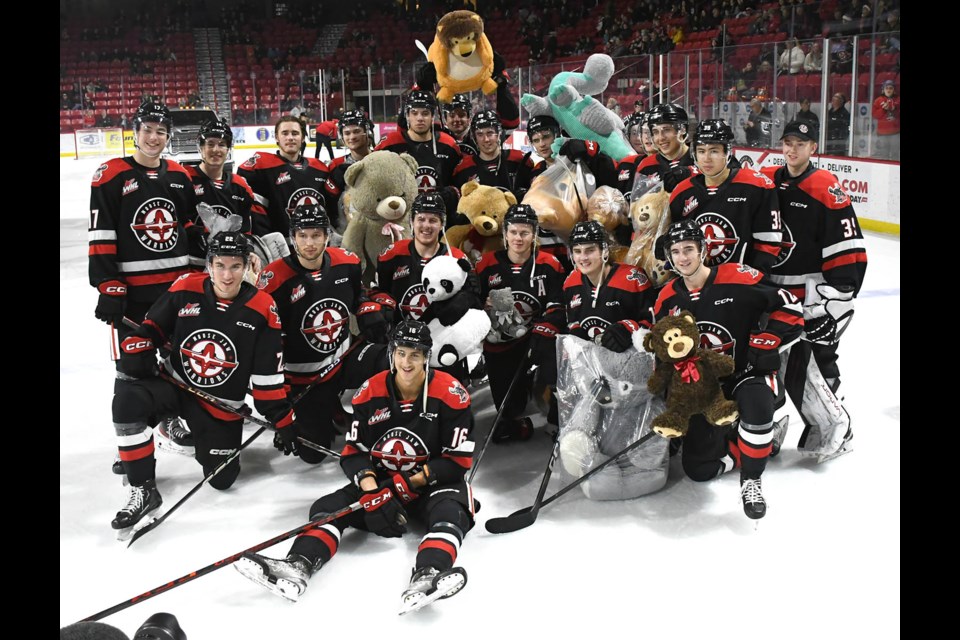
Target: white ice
[(682, 563)]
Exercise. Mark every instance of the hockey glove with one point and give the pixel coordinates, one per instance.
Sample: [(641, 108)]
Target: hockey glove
[(285, 439), (402, 487), (382, 513), (427, 76), (584, 150), (827, 313), (113, 294), (617, 337), (763, 353), (674, 176), (138, 357), (543, 352), (372, 323), (196, 241)]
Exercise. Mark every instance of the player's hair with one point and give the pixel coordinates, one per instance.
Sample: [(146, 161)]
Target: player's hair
[(276, 127)]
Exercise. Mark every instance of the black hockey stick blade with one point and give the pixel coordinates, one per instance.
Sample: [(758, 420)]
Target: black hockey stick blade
[(526, 517)]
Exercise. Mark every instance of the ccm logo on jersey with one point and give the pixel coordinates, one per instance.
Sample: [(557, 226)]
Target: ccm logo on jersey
[(221, 452), (137, 346), (340, 281), (246, 325), (176, 185), (736, 199), (189, 309), (798, 204), (764, 341), (723, 301)]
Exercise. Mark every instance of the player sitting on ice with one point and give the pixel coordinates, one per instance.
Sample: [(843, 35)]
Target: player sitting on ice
[(407, 450)]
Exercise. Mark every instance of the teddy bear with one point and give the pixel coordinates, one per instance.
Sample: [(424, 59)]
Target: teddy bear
[(457, 328), (604, 405), (462, 56), (569, 100), (689, 374), (559, 195), (485, 207), (649, 213), (506, 321), (608, 207), (382, 187)]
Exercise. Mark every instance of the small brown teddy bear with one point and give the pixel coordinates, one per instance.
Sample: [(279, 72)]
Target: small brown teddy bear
[(689, 374), (650, 214)]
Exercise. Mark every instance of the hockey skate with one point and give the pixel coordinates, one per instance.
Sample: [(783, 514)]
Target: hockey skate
[(141, 502), (845, 447), (813, 444), (779, 434), (751, 494), (287, 578), (429, 584), (117, 468), (174, 437)]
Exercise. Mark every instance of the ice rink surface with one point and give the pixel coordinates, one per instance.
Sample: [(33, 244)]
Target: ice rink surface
[(681, 563)]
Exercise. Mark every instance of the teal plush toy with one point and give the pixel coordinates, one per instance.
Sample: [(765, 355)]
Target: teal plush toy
[(570, 101)]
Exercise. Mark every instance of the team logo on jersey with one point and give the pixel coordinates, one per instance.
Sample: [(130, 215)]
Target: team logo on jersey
[(495, 279), (414, 302), (715, 337), (190, 309), (786, 245), (380, 415), (252, 161), (839, 195), (594, 327), (306, 195), (363, 387), (283, 177), (264, 279), (402, 272), (745, 268), (690, 204), (99, 173), (208, 357), (526, 304), (298, 292), (624, 175), (720, 236), (427, 179), (198, 189), (400, 450), (575, 301), (129, 186), (155, 225), (325, 325), (637, 276), (461, 393)]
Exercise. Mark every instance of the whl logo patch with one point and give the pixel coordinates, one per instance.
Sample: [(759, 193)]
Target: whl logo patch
[(380, 415), (189, 310)]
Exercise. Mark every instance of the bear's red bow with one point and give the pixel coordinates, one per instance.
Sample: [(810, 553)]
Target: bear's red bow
[(688, 369)]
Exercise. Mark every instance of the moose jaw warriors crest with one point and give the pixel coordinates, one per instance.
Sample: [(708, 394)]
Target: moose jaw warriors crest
[(155, 225), (400, 450), (325, 325), (208, 357)]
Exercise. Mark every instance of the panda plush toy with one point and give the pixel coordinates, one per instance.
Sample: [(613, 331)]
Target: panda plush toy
[(456, 326)]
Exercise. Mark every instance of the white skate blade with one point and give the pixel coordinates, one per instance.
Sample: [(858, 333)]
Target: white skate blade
[(124, 535), (445, 585), (257, 573), (845, 448), (167, 445)]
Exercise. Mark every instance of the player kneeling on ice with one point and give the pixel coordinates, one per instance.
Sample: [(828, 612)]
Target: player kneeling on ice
[(741, 316), (407, 451), (224, 336)]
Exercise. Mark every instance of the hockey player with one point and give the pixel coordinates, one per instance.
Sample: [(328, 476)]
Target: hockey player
[(535, 279), (667, 126), (492, 165), (285, 179), (822, 262), (736, 208), (437, 154), (456, 119), (741, 316), (399, 290), (407, 451), (638, 135), (605, 302), (356, 132), (224, 338), (316, 289)]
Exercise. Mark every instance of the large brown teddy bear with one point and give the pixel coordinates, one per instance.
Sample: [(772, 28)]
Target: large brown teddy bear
[(689, 374), (650, 217), (382, 187), (485, 207), (462, 55)]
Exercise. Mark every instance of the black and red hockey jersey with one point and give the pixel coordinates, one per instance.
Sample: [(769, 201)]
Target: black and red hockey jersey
[(315, 308), (137, 226), (536, 285), (280, 185), (436, 158), (822, 239), (655, 165), (232, 194), (501, 172), (730, 309), (740, 218), (222, 347), (389, 434), (625, 294), (399, 271)]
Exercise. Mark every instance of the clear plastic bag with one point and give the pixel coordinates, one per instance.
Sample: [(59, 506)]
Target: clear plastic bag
[(560, 194)]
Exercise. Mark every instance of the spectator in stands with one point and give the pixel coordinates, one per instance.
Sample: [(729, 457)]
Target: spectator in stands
[(791, 60), (886, 110), (813, 62), (613, 105), (758, 125), (806, 116), (838, 125), (841, 56)]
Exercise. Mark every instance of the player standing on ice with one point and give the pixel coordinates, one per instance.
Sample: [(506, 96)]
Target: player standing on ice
[(407, 451), (730, 303), (822, 262), (224, 338)]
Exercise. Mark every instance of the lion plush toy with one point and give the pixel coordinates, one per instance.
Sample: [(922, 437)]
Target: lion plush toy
[(462, 55), (689, 374), (608, 207), (559, 195), (485, 207), (650, 216)]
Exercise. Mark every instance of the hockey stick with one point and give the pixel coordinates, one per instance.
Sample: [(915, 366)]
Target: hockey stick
[(496, 421), (156, 522), (527, 516), (356, 506)]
